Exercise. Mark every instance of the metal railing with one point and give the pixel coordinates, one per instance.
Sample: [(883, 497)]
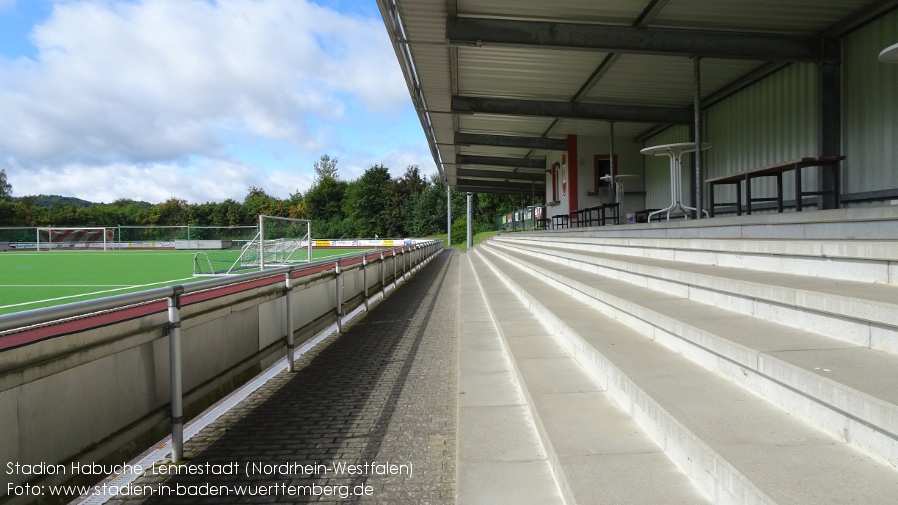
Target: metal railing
[(412, 258)]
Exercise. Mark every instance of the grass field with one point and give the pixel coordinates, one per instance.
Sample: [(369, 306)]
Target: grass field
[(30, 280)]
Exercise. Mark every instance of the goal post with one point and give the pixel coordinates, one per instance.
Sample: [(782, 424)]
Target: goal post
[(86, 238), (279, 241)]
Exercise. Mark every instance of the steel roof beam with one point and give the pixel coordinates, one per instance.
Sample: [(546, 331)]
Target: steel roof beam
[(580, 110), (620, 39), (498, 174), (476, 139), (504, 187), (497, 161), (495, 191)]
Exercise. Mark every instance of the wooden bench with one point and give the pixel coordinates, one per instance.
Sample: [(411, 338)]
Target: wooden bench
[(777, 170), (560, 221), (584, 216)]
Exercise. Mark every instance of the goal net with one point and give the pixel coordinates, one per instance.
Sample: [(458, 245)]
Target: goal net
[(75, 238), (280, 241)]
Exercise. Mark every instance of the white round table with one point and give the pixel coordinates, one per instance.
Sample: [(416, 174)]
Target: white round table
[(889, 54), (618, 185), (675, 153)]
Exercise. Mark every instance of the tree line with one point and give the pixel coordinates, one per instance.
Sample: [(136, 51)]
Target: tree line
[(373, 205)]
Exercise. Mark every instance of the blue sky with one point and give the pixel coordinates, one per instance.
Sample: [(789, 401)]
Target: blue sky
[(197, 99)]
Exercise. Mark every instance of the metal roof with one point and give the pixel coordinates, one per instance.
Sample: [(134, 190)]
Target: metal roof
[(499, 85)]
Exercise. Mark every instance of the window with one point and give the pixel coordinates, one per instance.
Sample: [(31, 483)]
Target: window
[(602, 169)]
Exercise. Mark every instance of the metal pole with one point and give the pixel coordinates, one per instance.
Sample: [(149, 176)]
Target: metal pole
[(337, 280), (174, 347), (288, 297), (406, 267), (309, 235), (470, 220), (365, 279), (612, 168), (261, 244), (448, 213), (696, 63), (394, 268), (383, 275)]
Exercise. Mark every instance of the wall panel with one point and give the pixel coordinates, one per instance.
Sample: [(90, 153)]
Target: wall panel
[(870, 108)]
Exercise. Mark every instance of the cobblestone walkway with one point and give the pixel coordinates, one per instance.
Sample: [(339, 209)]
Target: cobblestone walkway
[(381, 395)]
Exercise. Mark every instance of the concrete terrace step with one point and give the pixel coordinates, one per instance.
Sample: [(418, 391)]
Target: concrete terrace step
[(854, 223), (736, 447), (598, 454), (855, 260), (858, 312), (501, 459), (848, 390)]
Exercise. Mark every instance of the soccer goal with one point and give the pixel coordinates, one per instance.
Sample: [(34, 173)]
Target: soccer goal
[(75, 238), (280, 241)]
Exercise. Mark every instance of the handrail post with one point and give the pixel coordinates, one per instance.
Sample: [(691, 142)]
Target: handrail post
[(394, 268), (288, 297), (365, 279), (405, 264), (337, 280), (383, 275), (174, 345)]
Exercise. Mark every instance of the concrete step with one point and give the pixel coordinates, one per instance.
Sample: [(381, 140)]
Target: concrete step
[(501, 458), (848, 390), (735, 446), (598, 454), (854, 223), (854, 260), (862, 313)]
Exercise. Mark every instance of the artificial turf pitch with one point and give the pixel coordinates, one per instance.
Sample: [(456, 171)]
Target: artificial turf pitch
[(30, 280)]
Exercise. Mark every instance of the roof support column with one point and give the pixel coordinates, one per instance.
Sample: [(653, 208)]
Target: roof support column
[(573, 175), (448, 214), (830, 76), (697, 135)]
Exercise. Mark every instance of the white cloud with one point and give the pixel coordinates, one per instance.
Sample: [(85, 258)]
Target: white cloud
[(206, 180), (144, 86), (7, 4), (398, 161)]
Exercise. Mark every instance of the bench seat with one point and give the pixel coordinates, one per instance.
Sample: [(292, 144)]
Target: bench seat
[(777, 170), (598, 214)]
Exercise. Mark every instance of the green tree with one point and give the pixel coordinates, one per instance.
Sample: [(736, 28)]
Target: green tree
[(172, 212), (428, 215), (326, 167), (403, 199), (368, 202), (324, 200), (258, 202), (5, 186)]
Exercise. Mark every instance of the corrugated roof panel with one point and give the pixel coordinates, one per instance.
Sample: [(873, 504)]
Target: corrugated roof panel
[(424, 20), (506, 152), (622, 12), (592, 128), (664, 80), (807, 17), (524, 72), (503, 125)]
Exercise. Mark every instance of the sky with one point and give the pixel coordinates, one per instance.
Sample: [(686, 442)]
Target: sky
[(198, 99)]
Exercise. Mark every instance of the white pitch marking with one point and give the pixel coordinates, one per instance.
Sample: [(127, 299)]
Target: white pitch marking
[(93, 293)]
